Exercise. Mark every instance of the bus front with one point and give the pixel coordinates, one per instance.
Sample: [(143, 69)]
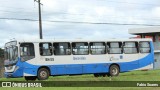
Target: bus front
[(12, 61)]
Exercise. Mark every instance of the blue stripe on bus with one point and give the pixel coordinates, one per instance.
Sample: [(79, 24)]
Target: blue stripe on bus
[(81, 68)]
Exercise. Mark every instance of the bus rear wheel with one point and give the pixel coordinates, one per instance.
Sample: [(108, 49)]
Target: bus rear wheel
[(43, 74), (30, 78), (114, 70)]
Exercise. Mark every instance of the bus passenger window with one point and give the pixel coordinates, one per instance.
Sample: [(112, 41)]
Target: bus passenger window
[(45, 49), (130, 47), (80, 48), (27, 51), (144, 47), (97, 48), (62, 48), (114, 47)]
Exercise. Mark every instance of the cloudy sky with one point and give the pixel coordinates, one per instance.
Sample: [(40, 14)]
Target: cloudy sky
[(88, 12)]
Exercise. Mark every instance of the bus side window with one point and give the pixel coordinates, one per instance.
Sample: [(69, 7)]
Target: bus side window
[(130, 47), (80, 48), (45, 49), (27, 51), (114, 47), (97, 48), (62, 48), (144, 47)]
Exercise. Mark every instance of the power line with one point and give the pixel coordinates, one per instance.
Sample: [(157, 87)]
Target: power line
[(18, 19), (63, 13), (105, 16), (74, 22), (103, 23), (84, 14)]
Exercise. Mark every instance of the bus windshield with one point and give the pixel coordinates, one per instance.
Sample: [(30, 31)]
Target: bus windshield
[(11, 54)]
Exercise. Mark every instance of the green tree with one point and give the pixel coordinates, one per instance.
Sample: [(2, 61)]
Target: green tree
[(1, 62), (1, 52)]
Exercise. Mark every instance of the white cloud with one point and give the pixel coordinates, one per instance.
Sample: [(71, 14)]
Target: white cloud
[(78, 11), (102, 10), (156, 12)]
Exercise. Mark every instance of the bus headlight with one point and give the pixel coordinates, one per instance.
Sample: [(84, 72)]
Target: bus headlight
[(9, 67)]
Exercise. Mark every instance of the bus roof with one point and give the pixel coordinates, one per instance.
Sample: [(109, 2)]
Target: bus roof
[(83, 40)]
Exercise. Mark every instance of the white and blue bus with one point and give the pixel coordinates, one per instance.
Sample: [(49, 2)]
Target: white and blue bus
[(39, 59)]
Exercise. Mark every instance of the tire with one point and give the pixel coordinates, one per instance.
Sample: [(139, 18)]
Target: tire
[(114, 70), (43, 74), (30, 78)]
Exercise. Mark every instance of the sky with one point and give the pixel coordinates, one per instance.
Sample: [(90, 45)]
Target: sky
[(88, 12)]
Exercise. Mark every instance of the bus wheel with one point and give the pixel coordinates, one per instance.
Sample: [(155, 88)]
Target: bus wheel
[(114, 70), (43, 74), (30, 78)]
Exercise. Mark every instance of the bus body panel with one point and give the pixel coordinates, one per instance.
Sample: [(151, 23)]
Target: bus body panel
[(65, 69)]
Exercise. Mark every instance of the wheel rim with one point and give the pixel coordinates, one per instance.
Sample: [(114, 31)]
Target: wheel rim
[(43, 74), (114, 71)]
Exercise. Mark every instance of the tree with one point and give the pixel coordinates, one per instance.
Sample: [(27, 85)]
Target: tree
[(1, 52), (1, 62)]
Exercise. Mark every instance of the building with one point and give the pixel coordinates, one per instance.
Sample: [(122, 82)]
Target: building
[(150, 32)]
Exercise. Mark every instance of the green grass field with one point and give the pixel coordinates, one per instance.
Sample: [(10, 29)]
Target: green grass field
[(153, 75)]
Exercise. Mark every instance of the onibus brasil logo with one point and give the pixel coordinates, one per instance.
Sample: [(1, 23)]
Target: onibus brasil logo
[(21, 84)]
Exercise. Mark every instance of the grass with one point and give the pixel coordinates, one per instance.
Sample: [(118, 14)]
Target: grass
[(82, 88), (153, 75)]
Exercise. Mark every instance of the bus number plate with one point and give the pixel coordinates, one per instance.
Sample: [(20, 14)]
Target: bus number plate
[(49, 59)]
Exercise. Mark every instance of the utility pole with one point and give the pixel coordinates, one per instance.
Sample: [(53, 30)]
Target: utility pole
[(40, 20)]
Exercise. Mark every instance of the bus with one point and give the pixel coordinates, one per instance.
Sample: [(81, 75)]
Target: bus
[(39, 59)]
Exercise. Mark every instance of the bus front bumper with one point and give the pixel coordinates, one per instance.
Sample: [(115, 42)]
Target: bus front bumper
[(17, 73)]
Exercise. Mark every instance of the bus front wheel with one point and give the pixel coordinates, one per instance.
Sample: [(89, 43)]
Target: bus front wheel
[(114, 70), (43, 74)]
